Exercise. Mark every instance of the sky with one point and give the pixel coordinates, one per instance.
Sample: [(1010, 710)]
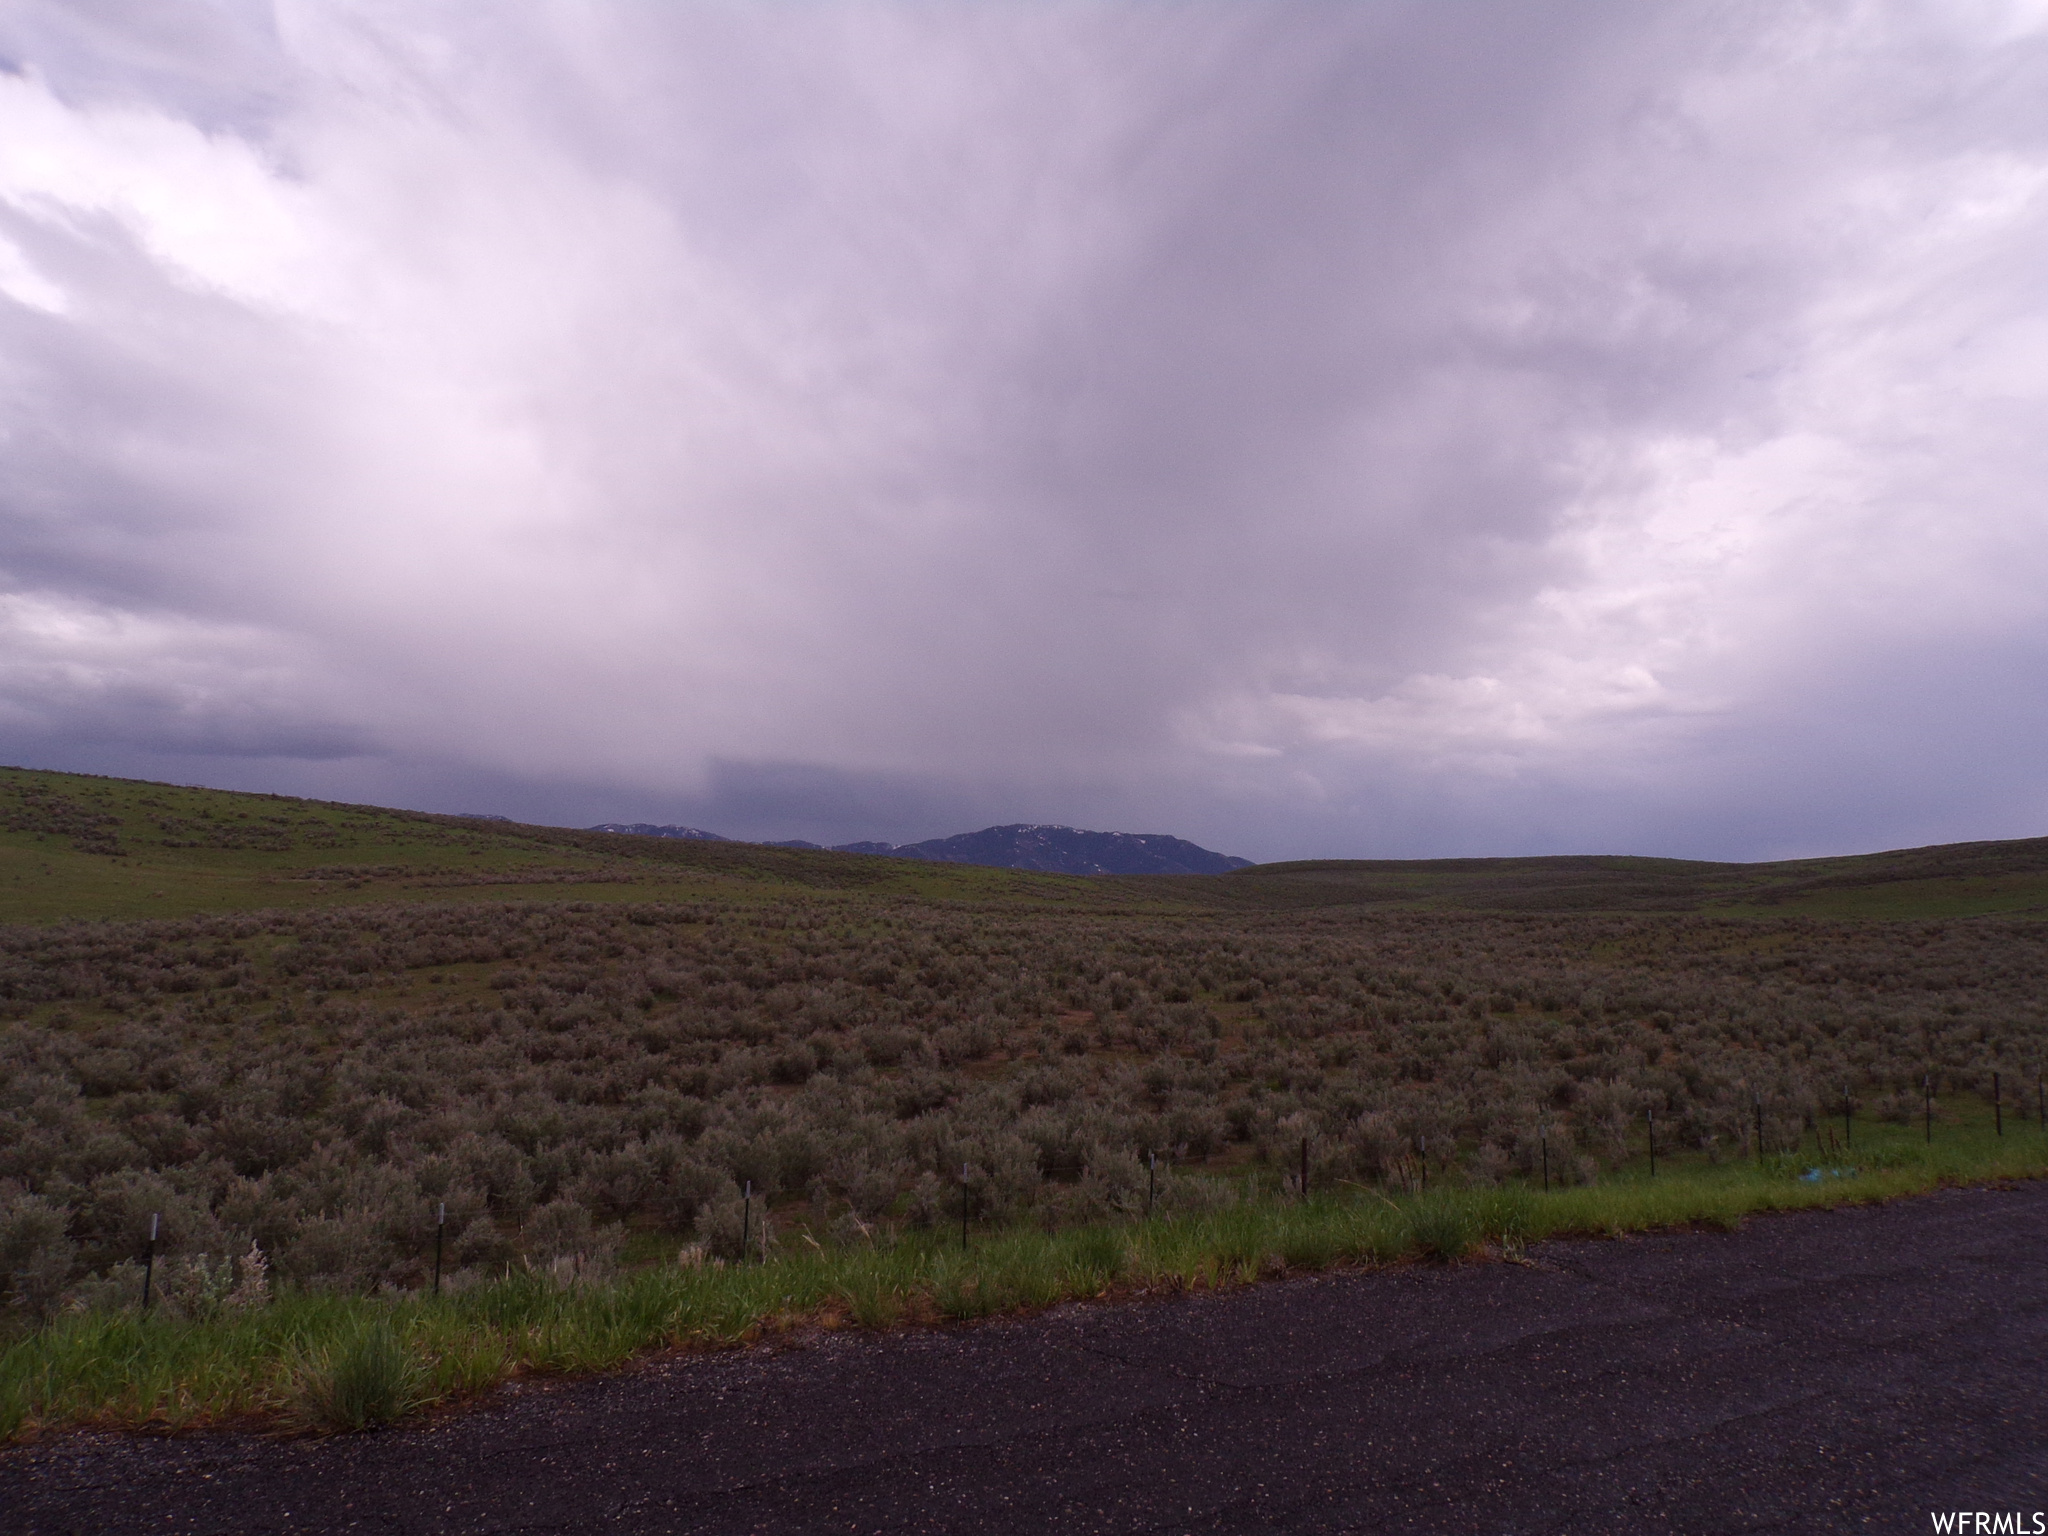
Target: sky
[(1361, 429)]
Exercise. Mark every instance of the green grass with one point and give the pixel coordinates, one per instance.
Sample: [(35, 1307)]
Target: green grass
[(332, 1362)]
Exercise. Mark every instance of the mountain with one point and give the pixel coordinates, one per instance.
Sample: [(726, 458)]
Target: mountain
[(647, 829), (1064, 851)]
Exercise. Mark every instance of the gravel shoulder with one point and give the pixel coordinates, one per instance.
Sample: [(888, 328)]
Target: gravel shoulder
[(1839, 1370)]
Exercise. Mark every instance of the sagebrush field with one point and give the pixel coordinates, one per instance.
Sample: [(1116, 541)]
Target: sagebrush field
[(701, 1050)]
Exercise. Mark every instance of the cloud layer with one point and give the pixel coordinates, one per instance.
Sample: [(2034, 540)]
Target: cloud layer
[(1374, 429)]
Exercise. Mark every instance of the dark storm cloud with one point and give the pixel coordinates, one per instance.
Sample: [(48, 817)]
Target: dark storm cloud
[(1306, 428)]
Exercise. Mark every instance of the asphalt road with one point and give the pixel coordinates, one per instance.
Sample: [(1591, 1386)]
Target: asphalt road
[(1846, 1370)]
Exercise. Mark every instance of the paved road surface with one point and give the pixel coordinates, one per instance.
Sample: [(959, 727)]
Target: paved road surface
[(1847, 1370)]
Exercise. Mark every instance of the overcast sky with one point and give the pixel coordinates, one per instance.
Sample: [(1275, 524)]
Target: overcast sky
[(1348, 429)]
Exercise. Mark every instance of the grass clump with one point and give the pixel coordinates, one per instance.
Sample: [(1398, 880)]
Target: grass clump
[(1443, 1227), (1096, 1259), (367, 1378), (872, 1302)]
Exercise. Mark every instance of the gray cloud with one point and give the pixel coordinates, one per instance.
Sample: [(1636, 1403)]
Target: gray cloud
[(1305, 428)]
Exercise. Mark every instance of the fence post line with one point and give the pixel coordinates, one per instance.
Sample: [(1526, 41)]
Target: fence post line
[(746, 1218), (440, 1228), (149, 1262), (1151, 1182), (1543, 1142), (963, 1207), (1927, 1104), (1650, 1121), (1848, 1127), (1759, 1129), (1997, 1104), (1304, 1167)]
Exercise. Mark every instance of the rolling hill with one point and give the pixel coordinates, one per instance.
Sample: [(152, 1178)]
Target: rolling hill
[(81, 846), (76, 845), (1949, 879)]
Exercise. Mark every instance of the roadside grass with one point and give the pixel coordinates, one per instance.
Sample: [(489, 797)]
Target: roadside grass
[(325, 1362)]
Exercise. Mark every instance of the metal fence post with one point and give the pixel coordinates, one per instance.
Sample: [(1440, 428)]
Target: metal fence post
[(149, 1263)]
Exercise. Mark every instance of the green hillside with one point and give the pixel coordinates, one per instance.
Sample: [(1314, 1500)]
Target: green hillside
[(73, 845), (1949, 880)]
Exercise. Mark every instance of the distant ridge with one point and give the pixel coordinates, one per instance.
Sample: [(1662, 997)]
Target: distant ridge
[(1070, 851), (648, 829), (1020, 845)]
